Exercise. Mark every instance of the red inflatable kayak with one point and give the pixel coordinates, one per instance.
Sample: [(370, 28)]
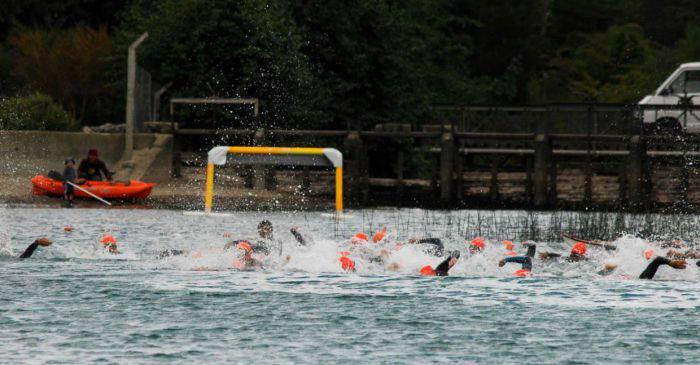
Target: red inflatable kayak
[(134, 189)]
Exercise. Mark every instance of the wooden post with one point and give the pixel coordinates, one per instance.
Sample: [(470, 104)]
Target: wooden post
[(260, 173), (543, 152), (177, 156), (459, 171), (528, 180), (447, 154), (355, 168), (636, 174), (399, 178), (493, 186)]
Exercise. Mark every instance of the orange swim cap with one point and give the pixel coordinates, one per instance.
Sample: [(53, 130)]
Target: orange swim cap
[(508, 245), (478, 242), (108, 239), (347, 263), (379, 236), (359, 238), (427, 270), (345, 253), (68, 228), (243, 245), (579, 248), (648, 254), (522, 273)]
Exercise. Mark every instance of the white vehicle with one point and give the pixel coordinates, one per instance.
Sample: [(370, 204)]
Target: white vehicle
[(680, 90)]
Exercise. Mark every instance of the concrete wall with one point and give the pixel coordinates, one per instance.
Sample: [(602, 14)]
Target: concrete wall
[(36, 151), (24, 154)]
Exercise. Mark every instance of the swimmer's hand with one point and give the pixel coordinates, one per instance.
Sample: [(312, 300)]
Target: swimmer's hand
[(610, 267), (544, 255), (675, 254), (678, 264), (502, 263), (44, 242)]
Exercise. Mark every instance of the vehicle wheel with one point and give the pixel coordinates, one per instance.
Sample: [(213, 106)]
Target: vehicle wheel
[(666, 127)]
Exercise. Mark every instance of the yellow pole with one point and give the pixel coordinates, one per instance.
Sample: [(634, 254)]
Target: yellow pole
[(209, 193), (339, 189)]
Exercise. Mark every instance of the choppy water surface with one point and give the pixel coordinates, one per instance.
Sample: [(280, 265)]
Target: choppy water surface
[(75, 303)]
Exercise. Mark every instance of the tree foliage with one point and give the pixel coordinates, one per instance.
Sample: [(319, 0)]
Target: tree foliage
[(66, 65), (335, 63)]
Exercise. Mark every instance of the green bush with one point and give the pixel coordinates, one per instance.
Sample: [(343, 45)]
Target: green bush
[(35, 112)]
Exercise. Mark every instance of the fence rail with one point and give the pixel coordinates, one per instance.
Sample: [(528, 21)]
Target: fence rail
[(594, 164)]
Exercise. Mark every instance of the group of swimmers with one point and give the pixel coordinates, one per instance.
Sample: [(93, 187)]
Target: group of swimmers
[(250, 254)]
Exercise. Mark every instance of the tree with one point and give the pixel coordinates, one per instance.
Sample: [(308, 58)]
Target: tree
[(229, 48), (66, 65)]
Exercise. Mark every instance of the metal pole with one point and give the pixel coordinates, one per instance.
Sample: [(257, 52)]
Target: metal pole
[(130, 95), (156, 100)]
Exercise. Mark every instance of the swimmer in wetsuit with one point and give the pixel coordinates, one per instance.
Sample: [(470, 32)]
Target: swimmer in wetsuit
[(443, 268), (29, 251), (266, 241), (653, 266), (245, 260), (578, 253), (524, 261)]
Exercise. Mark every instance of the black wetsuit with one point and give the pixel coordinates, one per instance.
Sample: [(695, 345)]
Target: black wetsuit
[(531, 249), (298, 237), (653, 266), (263, 247), (443, 268), (525, 261), (30, 250), (436, 247)]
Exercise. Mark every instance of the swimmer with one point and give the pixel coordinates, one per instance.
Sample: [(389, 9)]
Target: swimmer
[(578, 253), (433, 246), (245, 260), (477, 245), (525, 261), (44, 242), (110, 243), (653, 266), (443, 268), (266, 241)]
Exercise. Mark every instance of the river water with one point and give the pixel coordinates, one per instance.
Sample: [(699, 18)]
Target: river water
[(75, 303)]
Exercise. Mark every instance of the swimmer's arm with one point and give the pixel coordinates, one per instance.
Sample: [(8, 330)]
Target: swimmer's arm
[(525, 261), (531, 249), (544, 255), (230, 244), (432, 241), (31, 248), (443, 268), (298, 236), (651, 269)]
